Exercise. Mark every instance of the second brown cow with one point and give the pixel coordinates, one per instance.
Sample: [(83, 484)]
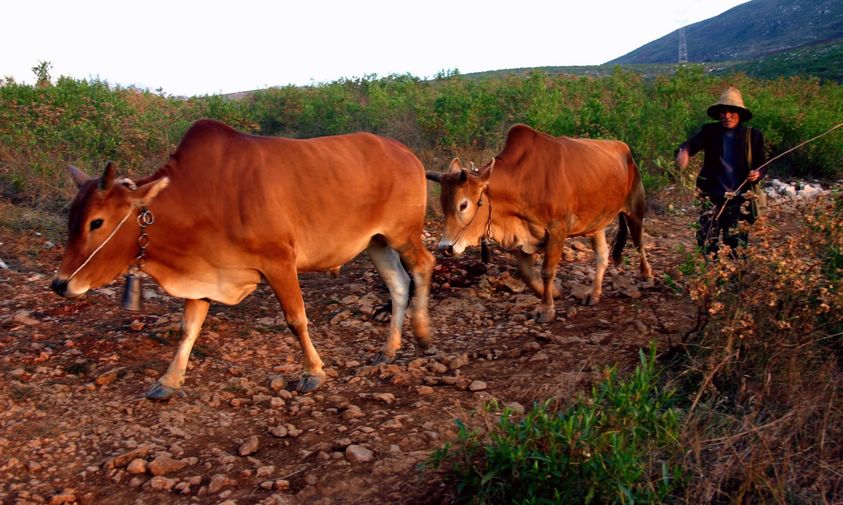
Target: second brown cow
[(539, 191)]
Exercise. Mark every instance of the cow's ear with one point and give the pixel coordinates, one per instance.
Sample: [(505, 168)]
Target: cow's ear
[(79, 177), (455, 166), (487, 173), (148, 191), (107, 179)]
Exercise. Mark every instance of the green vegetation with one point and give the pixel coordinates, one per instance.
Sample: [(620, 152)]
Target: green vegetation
[(45, 127), (620, 445), (824, 61)]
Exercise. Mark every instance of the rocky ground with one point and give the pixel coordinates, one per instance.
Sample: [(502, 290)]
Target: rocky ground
[(75, 427)]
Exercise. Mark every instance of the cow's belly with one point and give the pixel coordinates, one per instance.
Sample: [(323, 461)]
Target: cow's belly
[(229, 286), (331, 255)]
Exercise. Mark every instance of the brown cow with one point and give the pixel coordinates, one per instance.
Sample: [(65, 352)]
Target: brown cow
[(537, 192), (231, 208)]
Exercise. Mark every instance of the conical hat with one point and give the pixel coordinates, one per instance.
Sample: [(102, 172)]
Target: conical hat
[(731, 97)]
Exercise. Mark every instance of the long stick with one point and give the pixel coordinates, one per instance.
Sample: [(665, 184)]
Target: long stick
[(737, 191)]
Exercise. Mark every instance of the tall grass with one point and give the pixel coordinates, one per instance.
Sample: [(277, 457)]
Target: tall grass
[(764, 372)]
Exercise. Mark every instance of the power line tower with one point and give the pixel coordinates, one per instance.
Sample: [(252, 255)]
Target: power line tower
[(683, 47)]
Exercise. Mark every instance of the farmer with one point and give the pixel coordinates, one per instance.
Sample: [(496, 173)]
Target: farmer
[(732, 151)]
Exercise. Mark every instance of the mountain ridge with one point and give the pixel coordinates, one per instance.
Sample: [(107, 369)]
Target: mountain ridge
[(747, 32)]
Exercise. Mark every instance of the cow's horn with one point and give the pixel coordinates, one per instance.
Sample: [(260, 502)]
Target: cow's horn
[(433, 176), (79, 177), (107, 178)]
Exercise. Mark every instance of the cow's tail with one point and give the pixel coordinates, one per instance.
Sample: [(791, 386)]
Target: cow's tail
[(620, 239)]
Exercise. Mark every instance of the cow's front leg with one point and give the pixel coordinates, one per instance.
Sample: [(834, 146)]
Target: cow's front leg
[(285, 283), (552, 256), (169, 383), (526, 262)]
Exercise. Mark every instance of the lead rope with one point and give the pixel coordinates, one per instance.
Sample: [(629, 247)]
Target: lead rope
[(91, 256)]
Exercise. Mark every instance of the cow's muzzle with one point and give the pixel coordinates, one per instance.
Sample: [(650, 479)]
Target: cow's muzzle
[(446, 249), (59, 286)]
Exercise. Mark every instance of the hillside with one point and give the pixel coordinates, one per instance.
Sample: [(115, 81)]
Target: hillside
[(824, 61), (748, 32)]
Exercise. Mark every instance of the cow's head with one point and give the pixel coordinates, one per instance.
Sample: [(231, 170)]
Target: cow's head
[(464, 205), (102, 233)]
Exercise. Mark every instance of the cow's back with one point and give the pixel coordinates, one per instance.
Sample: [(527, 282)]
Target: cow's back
[(552, 177), (327, 195)]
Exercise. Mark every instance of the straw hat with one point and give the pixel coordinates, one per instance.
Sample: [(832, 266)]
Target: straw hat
[(731, 98)]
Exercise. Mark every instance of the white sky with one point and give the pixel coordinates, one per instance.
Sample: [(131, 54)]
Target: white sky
[(190, 47)]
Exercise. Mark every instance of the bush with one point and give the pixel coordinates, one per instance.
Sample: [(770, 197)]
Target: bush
[(763, 374), (44, 127), (619, 445)]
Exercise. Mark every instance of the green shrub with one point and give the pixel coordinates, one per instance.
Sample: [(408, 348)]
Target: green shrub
[(619, 445)]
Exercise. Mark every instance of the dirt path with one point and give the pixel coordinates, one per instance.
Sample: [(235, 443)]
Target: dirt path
[(75, 428)]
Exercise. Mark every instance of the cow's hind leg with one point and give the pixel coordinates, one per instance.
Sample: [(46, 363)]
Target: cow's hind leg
[(552, 257), (601, 256), (636, 225), (285, 283), (388, 264), (420, 262), (169, 383)]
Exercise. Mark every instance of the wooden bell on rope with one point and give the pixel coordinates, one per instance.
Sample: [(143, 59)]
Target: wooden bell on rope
[(132, 296)]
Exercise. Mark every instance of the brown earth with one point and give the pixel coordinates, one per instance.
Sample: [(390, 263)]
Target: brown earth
[(75, 427)]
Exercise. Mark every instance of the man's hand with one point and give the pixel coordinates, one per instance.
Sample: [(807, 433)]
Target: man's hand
[(682, 158), (753, 176)]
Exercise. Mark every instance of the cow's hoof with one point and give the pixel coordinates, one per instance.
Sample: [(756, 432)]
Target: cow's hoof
[(590, 300), (544, 316), (424, 343), (161, 393), (308, 383), (382, 359)]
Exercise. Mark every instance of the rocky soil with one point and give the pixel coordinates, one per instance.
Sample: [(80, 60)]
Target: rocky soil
[(75, 427)]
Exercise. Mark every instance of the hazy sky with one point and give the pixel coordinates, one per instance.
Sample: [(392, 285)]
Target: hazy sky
[(189, 47)]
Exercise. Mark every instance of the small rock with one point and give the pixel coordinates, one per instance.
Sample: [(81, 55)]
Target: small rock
[(282, 484), (477, 386), (136, 325), (458, 362), (279, 431), (162, 465), (424, 390), (219, 481), (277, 383), (137, 466), (265, 471), (159, 483), (436, 367), (514, 284), (515, 407), (107, 378), (24, 317), (250, 446), (384, 397), (358, 454), (66, 496)]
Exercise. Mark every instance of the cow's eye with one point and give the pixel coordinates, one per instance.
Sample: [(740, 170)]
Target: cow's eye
[(463, 206), (96, 223)]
